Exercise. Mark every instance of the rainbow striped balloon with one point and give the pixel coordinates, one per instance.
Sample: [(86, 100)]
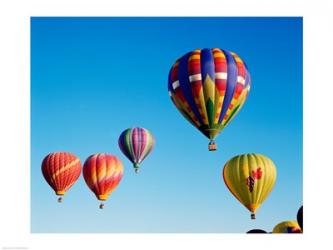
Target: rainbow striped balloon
[(136, 144), (61, 170), (102, 173), (209, 87)]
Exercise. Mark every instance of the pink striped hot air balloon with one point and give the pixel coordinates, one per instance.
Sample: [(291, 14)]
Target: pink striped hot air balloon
[(102, 173), (136, 144)]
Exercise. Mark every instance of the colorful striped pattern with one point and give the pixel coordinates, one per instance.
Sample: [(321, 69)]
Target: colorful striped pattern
[(250, 178), (209, 87), (61, 170), (287, 227), (102, 173), (136, 144)]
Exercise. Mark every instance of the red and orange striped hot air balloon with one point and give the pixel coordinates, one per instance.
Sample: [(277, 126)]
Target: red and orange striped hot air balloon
[(61, 170), (102, 173)]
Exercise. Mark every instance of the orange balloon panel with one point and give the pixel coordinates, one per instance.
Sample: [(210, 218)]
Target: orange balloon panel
[(61, 170), (102, 173)]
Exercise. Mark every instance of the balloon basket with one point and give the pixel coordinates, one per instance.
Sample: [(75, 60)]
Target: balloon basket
[(60, 199), (212, 146), (253, 216), (101, 206)]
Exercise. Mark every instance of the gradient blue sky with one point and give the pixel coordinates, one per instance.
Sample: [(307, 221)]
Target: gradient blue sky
[(91, 78)]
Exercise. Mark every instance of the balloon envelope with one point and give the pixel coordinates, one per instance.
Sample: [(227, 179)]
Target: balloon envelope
[(256, 231), (102, 174), (61, 170), (250, 178), (209, 87), (287, 227), (136, 144), (300, 217)]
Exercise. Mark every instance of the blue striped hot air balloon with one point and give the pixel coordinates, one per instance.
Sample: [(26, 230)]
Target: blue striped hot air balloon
[(209, 87)]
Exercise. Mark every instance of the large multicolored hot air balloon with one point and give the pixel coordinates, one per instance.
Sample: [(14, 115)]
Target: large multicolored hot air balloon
[(288, 227), (136, 144), (209, 87), (61, 170), (250, 178), (102, 173)]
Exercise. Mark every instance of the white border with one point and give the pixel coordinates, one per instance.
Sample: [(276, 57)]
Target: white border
[(15, 120)]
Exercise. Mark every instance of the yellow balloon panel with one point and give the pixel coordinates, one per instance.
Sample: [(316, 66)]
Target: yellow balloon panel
[(287, 227), (250, 178)]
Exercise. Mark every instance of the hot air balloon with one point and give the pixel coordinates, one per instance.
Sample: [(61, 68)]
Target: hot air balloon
[(102, 173), (287, 227), (61, 170), (250, 178), (209, 87), (136, 144), (300, 217), (256, 231)]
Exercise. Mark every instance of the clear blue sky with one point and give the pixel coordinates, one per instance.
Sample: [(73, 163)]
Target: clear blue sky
[(91, 78)]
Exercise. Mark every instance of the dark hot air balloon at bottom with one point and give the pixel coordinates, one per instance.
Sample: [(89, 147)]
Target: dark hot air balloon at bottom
[(256, 231), (300, 217)]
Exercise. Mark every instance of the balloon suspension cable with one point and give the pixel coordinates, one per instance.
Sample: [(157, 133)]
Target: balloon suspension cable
[(101, 206), (212, 145), (60, 199), (253, 216)]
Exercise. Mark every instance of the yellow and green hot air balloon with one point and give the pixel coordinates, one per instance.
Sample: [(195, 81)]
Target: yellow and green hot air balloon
[(288, 227), (250, 178)]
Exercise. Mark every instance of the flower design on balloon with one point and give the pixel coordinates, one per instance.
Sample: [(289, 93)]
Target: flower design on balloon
[(256, 175)]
